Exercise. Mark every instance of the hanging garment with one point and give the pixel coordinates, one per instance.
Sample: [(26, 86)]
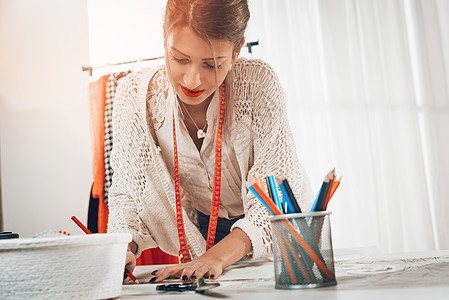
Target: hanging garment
[(110, 96), (97, 101), (92, 214)]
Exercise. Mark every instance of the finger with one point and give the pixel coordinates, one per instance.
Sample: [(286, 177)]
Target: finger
[(189, 272), (215, 273), (130, 263), (127, 280), (200, 272), (168, 271)]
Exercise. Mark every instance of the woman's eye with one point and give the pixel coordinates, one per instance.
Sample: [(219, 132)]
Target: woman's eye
[(180, 60), (211, 66)]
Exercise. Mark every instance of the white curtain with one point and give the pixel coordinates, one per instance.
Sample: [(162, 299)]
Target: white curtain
[(367, 85)]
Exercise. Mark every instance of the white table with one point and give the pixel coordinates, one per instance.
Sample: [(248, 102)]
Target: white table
[(423, 275)]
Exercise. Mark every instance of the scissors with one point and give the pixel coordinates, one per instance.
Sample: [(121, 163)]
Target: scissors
[(200, 287)]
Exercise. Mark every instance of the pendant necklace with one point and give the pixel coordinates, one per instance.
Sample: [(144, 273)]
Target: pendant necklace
[(200, 132)]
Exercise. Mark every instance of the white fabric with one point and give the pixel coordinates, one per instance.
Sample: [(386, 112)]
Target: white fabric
[(141, 198), (367, 83), (196, 169)]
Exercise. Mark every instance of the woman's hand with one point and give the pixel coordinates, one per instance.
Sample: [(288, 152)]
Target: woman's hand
[(211, 264), (191, 271), (130, 263)]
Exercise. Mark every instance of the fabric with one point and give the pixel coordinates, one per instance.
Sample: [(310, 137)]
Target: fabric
[(196, 169), (141, 198), (92, 214), (223, 226), (155, 256), (110, 96), (97, 100)]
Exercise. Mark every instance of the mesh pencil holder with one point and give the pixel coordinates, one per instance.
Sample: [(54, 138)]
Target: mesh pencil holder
[(303, 253), (66, 267)]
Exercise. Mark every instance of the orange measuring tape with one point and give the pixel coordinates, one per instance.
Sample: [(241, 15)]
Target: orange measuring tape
[(184, 253)]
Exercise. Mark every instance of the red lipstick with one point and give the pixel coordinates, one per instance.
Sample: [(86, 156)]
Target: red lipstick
[(191, 93)]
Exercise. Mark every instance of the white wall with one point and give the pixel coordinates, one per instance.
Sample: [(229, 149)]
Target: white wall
[(44, 114), (124, 30)]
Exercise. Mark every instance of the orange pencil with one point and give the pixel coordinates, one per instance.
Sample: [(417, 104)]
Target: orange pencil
[(288, 264), (334, 187), (259, 181)]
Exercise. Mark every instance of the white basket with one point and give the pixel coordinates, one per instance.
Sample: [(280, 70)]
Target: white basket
[(66, 267)]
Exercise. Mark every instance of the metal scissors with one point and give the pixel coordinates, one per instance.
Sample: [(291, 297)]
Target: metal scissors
[(200, 287)]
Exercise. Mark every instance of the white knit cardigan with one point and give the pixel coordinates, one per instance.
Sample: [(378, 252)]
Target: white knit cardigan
[(142, 198)]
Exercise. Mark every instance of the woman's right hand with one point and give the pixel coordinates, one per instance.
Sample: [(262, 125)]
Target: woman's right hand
[(130, 263)]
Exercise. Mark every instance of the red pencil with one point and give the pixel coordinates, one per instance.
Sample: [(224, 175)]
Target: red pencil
[(87, 231), (78, 222)]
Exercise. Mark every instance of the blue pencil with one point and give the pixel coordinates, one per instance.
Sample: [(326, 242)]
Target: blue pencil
[(290, 207), (315, 203), (296, 206), (274, 192), (319, 203)]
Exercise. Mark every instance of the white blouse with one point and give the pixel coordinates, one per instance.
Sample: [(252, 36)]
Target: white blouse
[(196, 168), (141, 198)]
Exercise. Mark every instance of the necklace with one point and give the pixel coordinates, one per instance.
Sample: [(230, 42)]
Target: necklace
[(184, 254), (200, 133)]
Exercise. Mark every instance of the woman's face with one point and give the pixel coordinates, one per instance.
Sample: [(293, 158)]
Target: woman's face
[(191, 67)]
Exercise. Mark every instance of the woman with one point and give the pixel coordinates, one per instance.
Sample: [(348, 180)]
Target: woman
[(193, 134)]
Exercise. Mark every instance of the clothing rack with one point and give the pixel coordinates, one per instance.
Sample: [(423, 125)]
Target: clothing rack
[(249, 45), (89, 68)]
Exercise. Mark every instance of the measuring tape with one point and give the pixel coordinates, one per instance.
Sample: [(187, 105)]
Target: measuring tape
[(184, 254)]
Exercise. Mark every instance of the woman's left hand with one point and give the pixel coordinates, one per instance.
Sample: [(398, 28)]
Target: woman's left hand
[(191, 271), (211, 264)]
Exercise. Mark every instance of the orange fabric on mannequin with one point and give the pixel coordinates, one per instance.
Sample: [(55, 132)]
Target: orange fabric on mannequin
[(97, 99)]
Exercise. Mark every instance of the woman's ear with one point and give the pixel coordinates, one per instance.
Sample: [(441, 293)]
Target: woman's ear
[(236, 53)]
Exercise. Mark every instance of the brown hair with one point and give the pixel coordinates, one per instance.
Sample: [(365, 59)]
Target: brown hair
[(210, 19)]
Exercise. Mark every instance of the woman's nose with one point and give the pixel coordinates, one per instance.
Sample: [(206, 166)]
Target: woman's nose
[(192, 78)]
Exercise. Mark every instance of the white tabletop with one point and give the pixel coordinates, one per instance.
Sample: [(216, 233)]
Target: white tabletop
[(400, 276)]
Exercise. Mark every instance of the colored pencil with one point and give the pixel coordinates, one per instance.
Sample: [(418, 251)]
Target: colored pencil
[(290, 247), (267, 181), (260, 199), (259, 180), (332, 191), (291, 196), (290, 208), (320, 199), (286, 257), (292, 230), (274, 192)]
